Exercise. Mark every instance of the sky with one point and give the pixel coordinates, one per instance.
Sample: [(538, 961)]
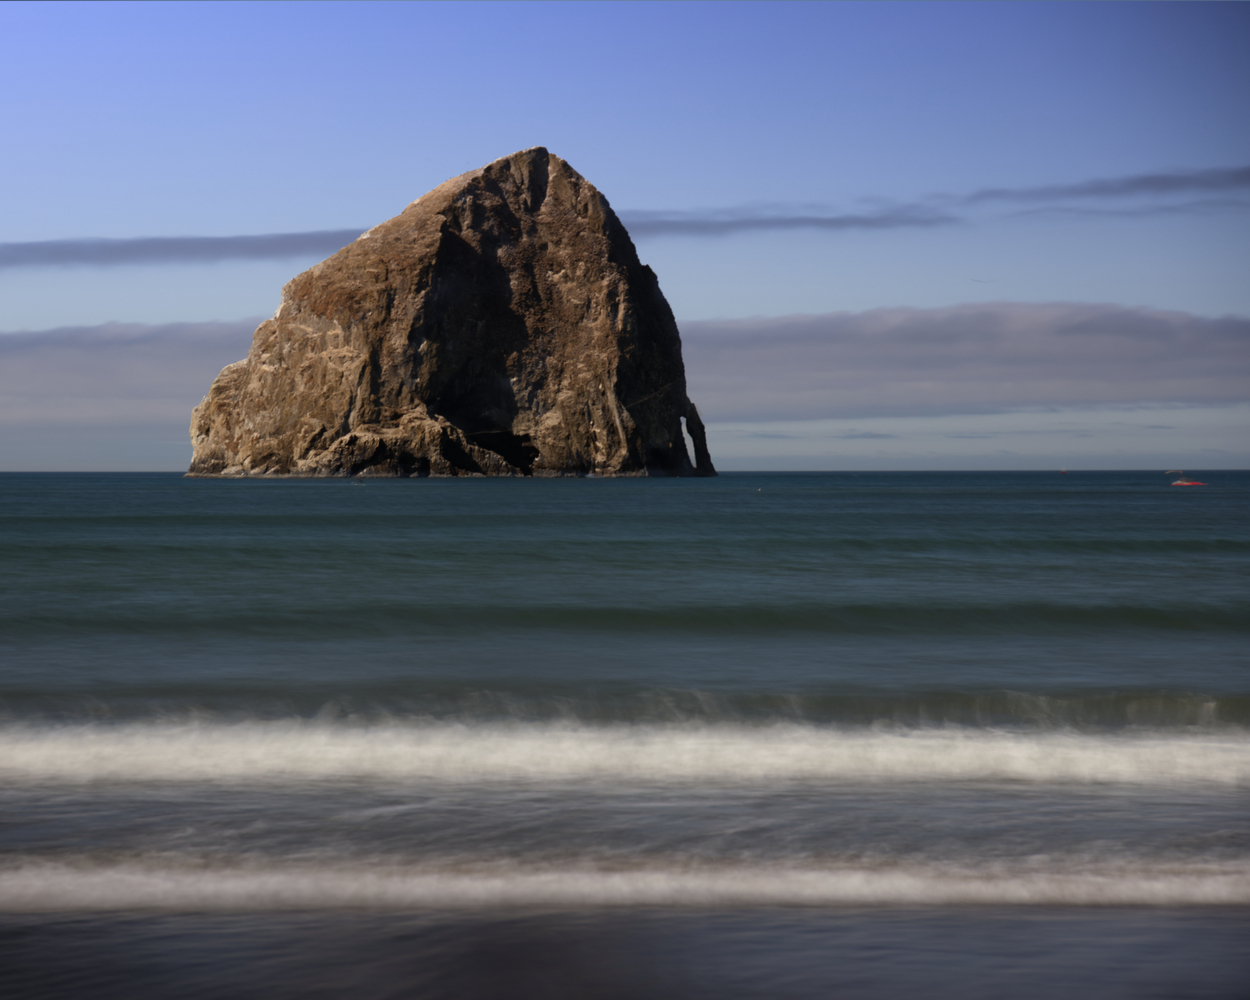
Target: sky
[(894, 236)]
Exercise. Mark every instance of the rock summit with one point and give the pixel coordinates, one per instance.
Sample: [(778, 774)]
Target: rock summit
[(500, 325)]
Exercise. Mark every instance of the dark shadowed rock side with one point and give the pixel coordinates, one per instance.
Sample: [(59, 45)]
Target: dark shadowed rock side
[(501, 325)]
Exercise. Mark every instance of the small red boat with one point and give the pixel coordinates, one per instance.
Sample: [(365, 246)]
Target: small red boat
[(1183, 481)]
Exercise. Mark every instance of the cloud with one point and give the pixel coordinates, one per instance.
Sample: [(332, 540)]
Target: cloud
[(124, 374), (175, 249), (939, 210), (722, 222), (1198, 207), (1096, 437), (278, 246), (889, 380), (1177, 182), (982, 358), (943, 210)]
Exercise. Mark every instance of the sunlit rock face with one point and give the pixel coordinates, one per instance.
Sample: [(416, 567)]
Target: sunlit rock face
[(500, 325)]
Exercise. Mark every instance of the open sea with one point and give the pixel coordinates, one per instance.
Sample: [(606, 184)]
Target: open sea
[(965, 735)]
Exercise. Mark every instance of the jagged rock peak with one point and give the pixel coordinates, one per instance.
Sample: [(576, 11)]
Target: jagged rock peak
[(502, 324)]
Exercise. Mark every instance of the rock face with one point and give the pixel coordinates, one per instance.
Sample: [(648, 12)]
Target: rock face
[(500, 325)]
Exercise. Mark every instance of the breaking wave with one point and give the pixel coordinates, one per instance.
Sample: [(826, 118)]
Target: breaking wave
[(302, 751), (87, 887)]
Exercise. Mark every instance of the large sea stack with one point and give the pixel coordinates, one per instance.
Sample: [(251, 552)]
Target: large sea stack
[(501, 325)]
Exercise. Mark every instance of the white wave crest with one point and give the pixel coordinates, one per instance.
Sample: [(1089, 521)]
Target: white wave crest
[(289, 751), (84, 887)]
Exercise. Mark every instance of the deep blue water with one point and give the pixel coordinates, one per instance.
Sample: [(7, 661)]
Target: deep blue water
[(760, 735)]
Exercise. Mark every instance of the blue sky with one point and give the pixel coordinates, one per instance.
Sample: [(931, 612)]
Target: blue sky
[(770, 159)]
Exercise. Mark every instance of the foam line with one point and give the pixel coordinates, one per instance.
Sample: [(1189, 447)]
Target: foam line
[(69, 887), (296, 751)]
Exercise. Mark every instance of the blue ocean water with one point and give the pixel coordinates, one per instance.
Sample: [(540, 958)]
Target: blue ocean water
[(966, 734)]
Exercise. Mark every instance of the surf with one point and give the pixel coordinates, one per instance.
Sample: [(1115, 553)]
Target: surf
[(296, 750), (88, 885)]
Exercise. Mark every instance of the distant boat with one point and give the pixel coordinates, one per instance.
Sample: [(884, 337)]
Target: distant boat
[(1182, 481)]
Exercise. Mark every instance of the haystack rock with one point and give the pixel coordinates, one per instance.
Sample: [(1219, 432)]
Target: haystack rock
[(501, 325)]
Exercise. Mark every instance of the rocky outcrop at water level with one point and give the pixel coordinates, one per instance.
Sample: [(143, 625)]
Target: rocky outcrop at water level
[(501, 325)]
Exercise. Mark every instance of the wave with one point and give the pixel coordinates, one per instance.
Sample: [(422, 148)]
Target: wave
[(384, 701), (87, 886), (729, 754)]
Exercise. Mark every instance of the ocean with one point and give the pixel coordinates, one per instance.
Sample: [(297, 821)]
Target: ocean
[(764, 735)]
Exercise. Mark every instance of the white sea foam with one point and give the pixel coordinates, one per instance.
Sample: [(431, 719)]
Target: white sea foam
[(88, 887), (293, 751)]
